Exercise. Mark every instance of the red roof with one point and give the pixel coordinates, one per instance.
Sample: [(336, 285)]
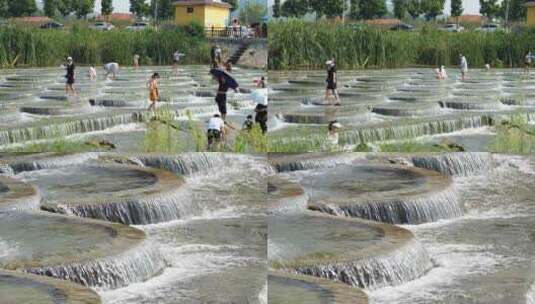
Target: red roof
[(474, 19), (118, 17), (383, 22), (31, 19)]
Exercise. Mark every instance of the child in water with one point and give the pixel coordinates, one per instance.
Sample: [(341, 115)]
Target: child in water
[(154, 93)]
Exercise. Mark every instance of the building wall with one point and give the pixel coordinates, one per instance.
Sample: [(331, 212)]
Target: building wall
[(205, 15), (216, 16), (182, 17), (531, 15)]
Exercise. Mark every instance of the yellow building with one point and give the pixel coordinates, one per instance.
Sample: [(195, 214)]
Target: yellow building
[(531, 12), (206, 12)]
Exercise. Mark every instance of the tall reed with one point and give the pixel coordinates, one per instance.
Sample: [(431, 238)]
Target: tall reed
[(296, 44), (36, 47)]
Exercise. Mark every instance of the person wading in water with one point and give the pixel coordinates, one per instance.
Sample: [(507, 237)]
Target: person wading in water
[(69, 86), (332, 81), (154, 92)]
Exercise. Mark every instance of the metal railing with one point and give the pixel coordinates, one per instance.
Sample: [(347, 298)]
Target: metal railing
[(237, 32)]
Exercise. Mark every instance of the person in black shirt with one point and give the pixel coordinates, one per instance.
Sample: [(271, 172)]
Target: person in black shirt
[(69, 87), (332, 81), (221, 96)]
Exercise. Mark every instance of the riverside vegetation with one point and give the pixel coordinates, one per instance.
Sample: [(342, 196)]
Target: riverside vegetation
[(296, 44), (27, 46)]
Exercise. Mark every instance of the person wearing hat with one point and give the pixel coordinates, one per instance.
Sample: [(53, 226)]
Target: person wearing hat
[(331, 81), (154, 93), (69, 87), (332, 136)]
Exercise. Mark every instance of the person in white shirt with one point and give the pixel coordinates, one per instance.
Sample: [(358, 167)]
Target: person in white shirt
[(92, 73), (463, 66), (111, 68), (332, 136), (216, 131), (136, 61)]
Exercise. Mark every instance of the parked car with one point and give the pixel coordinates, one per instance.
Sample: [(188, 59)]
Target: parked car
[(102, 26), (489, 28), (452, 27), (138, 26), (52, 25), (402, 27)]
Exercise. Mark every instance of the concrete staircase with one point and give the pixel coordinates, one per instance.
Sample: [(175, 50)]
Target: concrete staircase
[(235, 57)]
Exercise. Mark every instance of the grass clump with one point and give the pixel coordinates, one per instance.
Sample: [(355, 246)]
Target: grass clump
[(252, 141), (515, 135), (162, 134)]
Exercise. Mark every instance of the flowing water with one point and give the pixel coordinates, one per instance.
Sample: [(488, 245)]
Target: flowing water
[(35, 108), (483, 255), (218, 256), (396, 106)]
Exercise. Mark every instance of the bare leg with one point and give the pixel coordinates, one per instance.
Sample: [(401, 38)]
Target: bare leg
[(337, 98), (327, 95), (152, 106)]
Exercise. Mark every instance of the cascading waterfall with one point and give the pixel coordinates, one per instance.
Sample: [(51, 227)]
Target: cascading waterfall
[(411, 130), (66, 128), (407, 263), (287, 163), (412, 210), (160, 207), (136, 265), (462, 164), (396, 131), (184, 163), (32, 164)]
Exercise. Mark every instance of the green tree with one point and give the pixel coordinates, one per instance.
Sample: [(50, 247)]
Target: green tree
[(294, 8), (354, 9), (106, 7), (65, 7), (370, 9), (234, 4), (517, 10), (432, 8), (276, 9), (400, 8), (83, 7), (139, 8), (456, 8), (50, 8), (18, 8), (253, 13), (328, 8), (165, 9), (4, 8), (414, 8), (489, 8)]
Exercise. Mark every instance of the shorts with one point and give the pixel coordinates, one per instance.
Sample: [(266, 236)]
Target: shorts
[(331, 86), (527, 64), (213, 135), (175, 61), (221, 100), (70, 80)]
